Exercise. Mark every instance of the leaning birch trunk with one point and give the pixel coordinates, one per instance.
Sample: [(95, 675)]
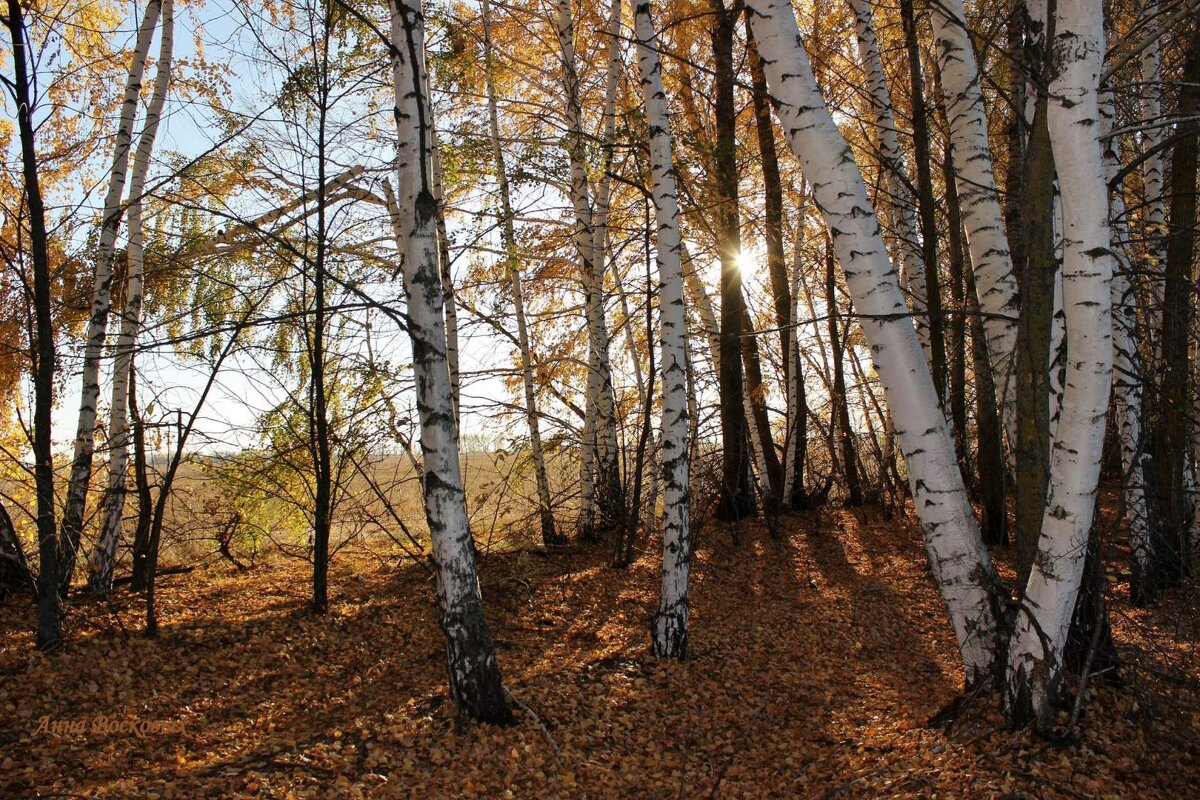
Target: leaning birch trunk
[(606, 459), (1127, 371), (669, 628), (891, 163), (474, 674), (104, 556), (1033, 680), (110, 221), (991, 262), (959, 561), (513, 265)]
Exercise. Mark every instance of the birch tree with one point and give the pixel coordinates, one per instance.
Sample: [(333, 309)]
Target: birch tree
[(960, 563), (669, 628), (103, 560), (976, 184), (910, 261), (1127, 368), (602, 428), (512, 265), (474, 674), (1033, 679), (97, 327)]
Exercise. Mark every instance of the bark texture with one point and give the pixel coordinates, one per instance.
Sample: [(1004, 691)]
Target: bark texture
[(959, 561), (474, 674), (669, 628)]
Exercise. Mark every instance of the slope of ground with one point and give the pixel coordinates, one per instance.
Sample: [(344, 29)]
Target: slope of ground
[(815, 665)]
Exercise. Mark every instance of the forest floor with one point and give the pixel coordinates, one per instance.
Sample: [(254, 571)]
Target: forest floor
[(815, 665)]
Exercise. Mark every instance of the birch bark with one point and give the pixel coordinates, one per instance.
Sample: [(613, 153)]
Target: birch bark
[(976, 184), (607, 485), (669, 628), (103, 560), (1033, 680), (513, 265), (959, 561), (1127, 370), (473, 672), (110, 221)]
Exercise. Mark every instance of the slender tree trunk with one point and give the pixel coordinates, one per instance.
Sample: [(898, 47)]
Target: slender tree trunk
[(928, 284), (956, 327), (1153, 172), (669, 629), (1038, 277), (699, 298), (104, 555), (319, 420), (141, 536), (513, 266), (85, 432), (736, 499), (990, 484), (1033, 681), (797, 409), (989, 461), (1173, 429), (757, 421), (609, 496), (449, 303), (792, 493), (474, 674), (976, 185), (50, 548), (840, 420), (959, 561), (1127, 372)]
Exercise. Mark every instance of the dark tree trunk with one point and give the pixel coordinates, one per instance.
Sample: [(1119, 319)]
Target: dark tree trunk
[(15, 576), (957, 334), (50, 551), (925, 202), (141, 537), (1032, 448), (1172, 428), (840, 420), (1090, 644), (781, 294), (757, 390), (736, 500), (319, 418)]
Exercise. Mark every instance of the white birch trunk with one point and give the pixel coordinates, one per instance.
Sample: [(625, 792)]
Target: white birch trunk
[(669, 628), (512, 264), (1127, 365), (600, 386), (959, 561), (103, 560), (449, 304), (891, 163), (1033, 681), (991, 262), (473, 671), (97, 328)]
